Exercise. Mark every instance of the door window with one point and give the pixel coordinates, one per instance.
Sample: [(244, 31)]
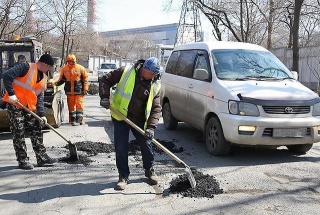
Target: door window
[(202, 62), (186, 62)]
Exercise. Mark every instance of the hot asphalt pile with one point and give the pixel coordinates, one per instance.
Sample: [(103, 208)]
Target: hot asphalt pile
[(206, 187)]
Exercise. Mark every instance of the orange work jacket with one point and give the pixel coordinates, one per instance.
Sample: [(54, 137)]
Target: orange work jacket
[(27, 89), (75, 79)]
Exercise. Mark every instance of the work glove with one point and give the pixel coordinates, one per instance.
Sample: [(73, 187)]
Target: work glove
[(85, 92), (105, 103), (149, 134), (44, 121), (13, 99)]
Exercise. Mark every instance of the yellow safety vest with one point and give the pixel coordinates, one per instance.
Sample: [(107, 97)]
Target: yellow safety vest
[(123, 94)]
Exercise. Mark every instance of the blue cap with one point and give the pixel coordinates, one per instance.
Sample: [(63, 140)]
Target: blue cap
[(152, 64)]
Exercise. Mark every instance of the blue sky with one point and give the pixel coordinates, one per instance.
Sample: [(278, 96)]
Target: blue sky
[(123, 14)]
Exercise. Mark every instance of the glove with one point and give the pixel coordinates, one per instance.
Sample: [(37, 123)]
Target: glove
[(44, 120), (105, 103), (149, 134), (85, 93), (13, 99)]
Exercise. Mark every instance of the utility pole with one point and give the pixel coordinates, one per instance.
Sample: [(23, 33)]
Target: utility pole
[(189, 28)]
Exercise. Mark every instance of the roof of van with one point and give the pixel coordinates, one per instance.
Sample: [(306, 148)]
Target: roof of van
[(220, 45)]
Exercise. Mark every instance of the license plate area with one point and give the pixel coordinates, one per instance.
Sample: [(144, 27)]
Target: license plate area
[(289, 132)]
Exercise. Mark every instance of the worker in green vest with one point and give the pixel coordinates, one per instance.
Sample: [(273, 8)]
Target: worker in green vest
[(137, 97)]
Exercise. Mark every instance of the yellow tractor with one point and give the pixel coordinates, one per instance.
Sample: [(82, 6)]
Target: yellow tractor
[(32, 50)]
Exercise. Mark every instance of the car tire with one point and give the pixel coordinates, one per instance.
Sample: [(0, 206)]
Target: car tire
[(215, 140), (300, 149), (170, 123)]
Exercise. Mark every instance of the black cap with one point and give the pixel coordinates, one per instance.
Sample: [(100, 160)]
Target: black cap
[(47, 59)]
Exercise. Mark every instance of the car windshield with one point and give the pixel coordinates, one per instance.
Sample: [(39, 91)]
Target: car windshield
[(248, 64), (108, 66)]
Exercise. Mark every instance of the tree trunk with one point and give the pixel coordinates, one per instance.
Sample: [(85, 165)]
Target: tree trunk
[(270, 24), (295, 35)]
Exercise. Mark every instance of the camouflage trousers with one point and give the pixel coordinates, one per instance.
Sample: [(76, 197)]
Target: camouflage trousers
[(21, 122)]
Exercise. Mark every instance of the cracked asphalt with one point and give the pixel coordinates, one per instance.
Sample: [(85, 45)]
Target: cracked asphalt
[(254, 180)]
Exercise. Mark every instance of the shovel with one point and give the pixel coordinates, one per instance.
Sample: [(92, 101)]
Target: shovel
[(72, 148), (191, 178)]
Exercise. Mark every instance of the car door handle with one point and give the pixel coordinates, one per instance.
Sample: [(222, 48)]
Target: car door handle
[(191, 86)]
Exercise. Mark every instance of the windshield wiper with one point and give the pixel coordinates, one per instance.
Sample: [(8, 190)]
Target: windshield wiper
[(260, 78), (287, 78)]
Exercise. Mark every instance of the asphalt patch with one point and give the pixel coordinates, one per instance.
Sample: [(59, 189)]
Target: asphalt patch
[(207, 186), (93, 148), (170, 145)]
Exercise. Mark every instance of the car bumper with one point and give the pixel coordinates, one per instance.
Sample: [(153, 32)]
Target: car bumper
[(264, 127)]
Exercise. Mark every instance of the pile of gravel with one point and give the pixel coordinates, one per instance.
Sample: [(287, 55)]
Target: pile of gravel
[(206, 186)]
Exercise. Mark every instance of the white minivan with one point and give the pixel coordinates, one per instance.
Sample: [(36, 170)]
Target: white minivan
[(238, 93)]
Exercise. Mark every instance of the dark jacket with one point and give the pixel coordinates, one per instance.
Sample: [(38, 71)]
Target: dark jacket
[(138, 102), (21, 70)]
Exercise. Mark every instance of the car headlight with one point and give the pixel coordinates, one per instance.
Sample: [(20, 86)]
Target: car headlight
[(316, 110), (243, 108)]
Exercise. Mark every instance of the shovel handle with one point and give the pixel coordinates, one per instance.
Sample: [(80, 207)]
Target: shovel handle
[(40, 120), (153, 140)]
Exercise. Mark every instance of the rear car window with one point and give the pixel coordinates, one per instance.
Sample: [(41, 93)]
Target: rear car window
[(181, 63)]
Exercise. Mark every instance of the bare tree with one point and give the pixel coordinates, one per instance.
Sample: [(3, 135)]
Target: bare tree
[(13, 15), (66, 16)]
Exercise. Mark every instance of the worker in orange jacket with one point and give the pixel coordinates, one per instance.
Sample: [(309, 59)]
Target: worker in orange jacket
[(76, 86)]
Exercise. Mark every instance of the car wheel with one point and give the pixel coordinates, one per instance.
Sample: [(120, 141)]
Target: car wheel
[(170, 123), (301, 148), (215, 141)]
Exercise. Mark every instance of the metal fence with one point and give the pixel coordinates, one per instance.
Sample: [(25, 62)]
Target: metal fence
[(309, 64)]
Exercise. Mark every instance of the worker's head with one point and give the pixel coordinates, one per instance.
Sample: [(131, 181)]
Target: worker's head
[(45, 63), (71, 60), (21, 58), (150, 68)]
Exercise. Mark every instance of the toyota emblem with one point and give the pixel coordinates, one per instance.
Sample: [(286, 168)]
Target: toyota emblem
[(288, 110)]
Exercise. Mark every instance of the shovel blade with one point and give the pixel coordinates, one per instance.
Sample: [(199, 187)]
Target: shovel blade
[(73, 152), (191, 178)]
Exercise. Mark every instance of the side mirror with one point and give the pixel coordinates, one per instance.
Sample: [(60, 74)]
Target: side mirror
[(201, 74), (295, 74)]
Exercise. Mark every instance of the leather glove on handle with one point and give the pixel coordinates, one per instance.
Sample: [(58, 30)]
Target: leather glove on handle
[(149, 134), (105, 103), (44, 120)]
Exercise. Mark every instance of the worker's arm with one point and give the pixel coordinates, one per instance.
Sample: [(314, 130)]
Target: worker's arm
[(62, 78), (19, 70), (108, 81), (155, 113), (85, 79)]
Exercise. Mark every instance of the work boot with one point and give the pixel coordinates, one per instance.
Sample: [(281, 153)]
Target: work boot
[(74, 123), (80, 120), (121, 185), (45, 159), (152, 177), (25, 164)]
